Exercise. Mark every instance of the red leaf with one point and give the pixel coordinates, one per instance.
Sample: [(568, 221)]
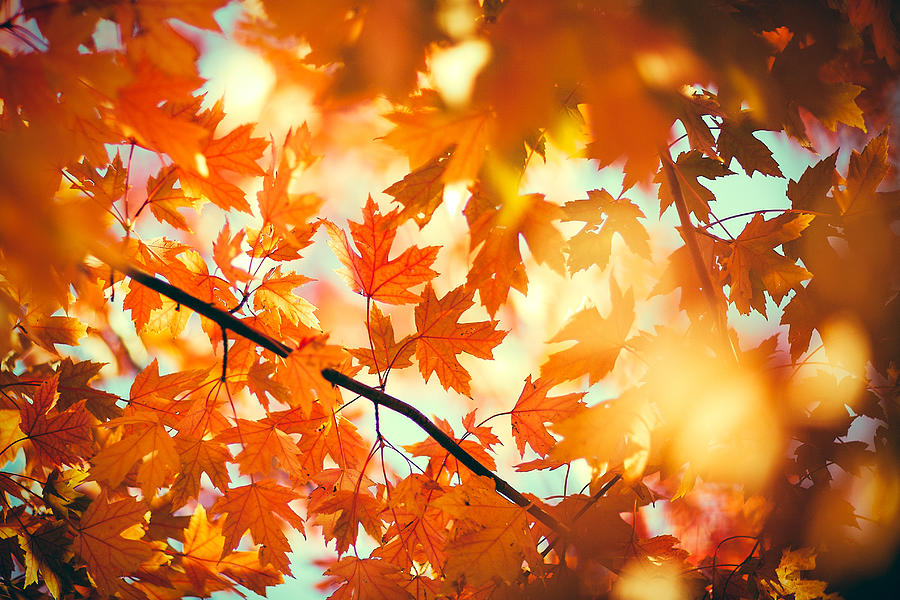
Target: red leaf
[(370, 271)]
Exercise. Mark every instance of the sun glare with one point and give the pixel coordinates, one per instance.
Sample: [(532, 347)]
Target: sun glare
[(243, 77)]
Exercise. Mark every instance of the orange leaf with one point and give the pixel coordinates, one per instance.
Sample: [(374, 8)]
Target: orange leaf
[(340, 514), (255, 507), (498, 264), (225, 249), (202, 562), (418, 528), (440, 337), (199, 456), (439, 458), (236, 151), (363, 577), (688, 168), (420, 192), (261, 441), (150, 389), (98, 541), (165, 199), (275, 296), (141, 301), (149, 443), (604, 216), (301, 372), (598, 341), (58, 438), (426, 134), (489, 538), (385, 353), (49, 331), (534, 408), (138, 113), (371, 272), (753, 265)]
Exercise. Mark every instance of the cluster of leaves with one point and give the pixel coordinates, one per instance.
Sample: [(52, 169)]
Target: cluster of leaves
[(185, 484)]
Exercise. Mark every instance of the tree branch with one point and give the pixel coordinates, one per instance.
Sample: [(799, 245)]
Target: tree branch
[(690, 238), (228, 321), (224, 319), (449, 444)]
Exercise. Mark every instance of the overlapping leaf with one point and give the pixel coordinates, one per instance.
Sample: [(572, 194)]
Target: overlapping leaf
[(370, 271)]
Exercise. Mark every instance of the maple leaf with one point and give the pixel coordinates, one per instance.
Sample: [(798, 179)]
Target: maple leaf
[(418, 528), (99, 541), (385, 353), (592, 245), (10, 433), (689, 167), (736, 140), (254, 507), (165, 199), (58, 437), (225, 249), (364, 576), (440, 337), (44, 549), (74, 385), (693, 108), (275, 297), (340, 513), (150, 389), (141, 301), (790, 578), (420, 192), (498, 265), (489, 538), (203, 565), (199, 456), (149, 442), (427, 134), (47, 331), (301, 372), (753, 256), (261, 441), (598, 341), (534, 408), (681, 272), (864, 174), (611, 434), (482, 432), (370, 271), (278, 207), (138, 113), (877, 14)]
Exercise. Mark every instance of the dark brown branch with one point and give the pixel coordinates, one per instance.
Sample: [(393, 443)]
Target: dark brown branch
[(449, 444), (228, 321), (223, 318), (592, 501)]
